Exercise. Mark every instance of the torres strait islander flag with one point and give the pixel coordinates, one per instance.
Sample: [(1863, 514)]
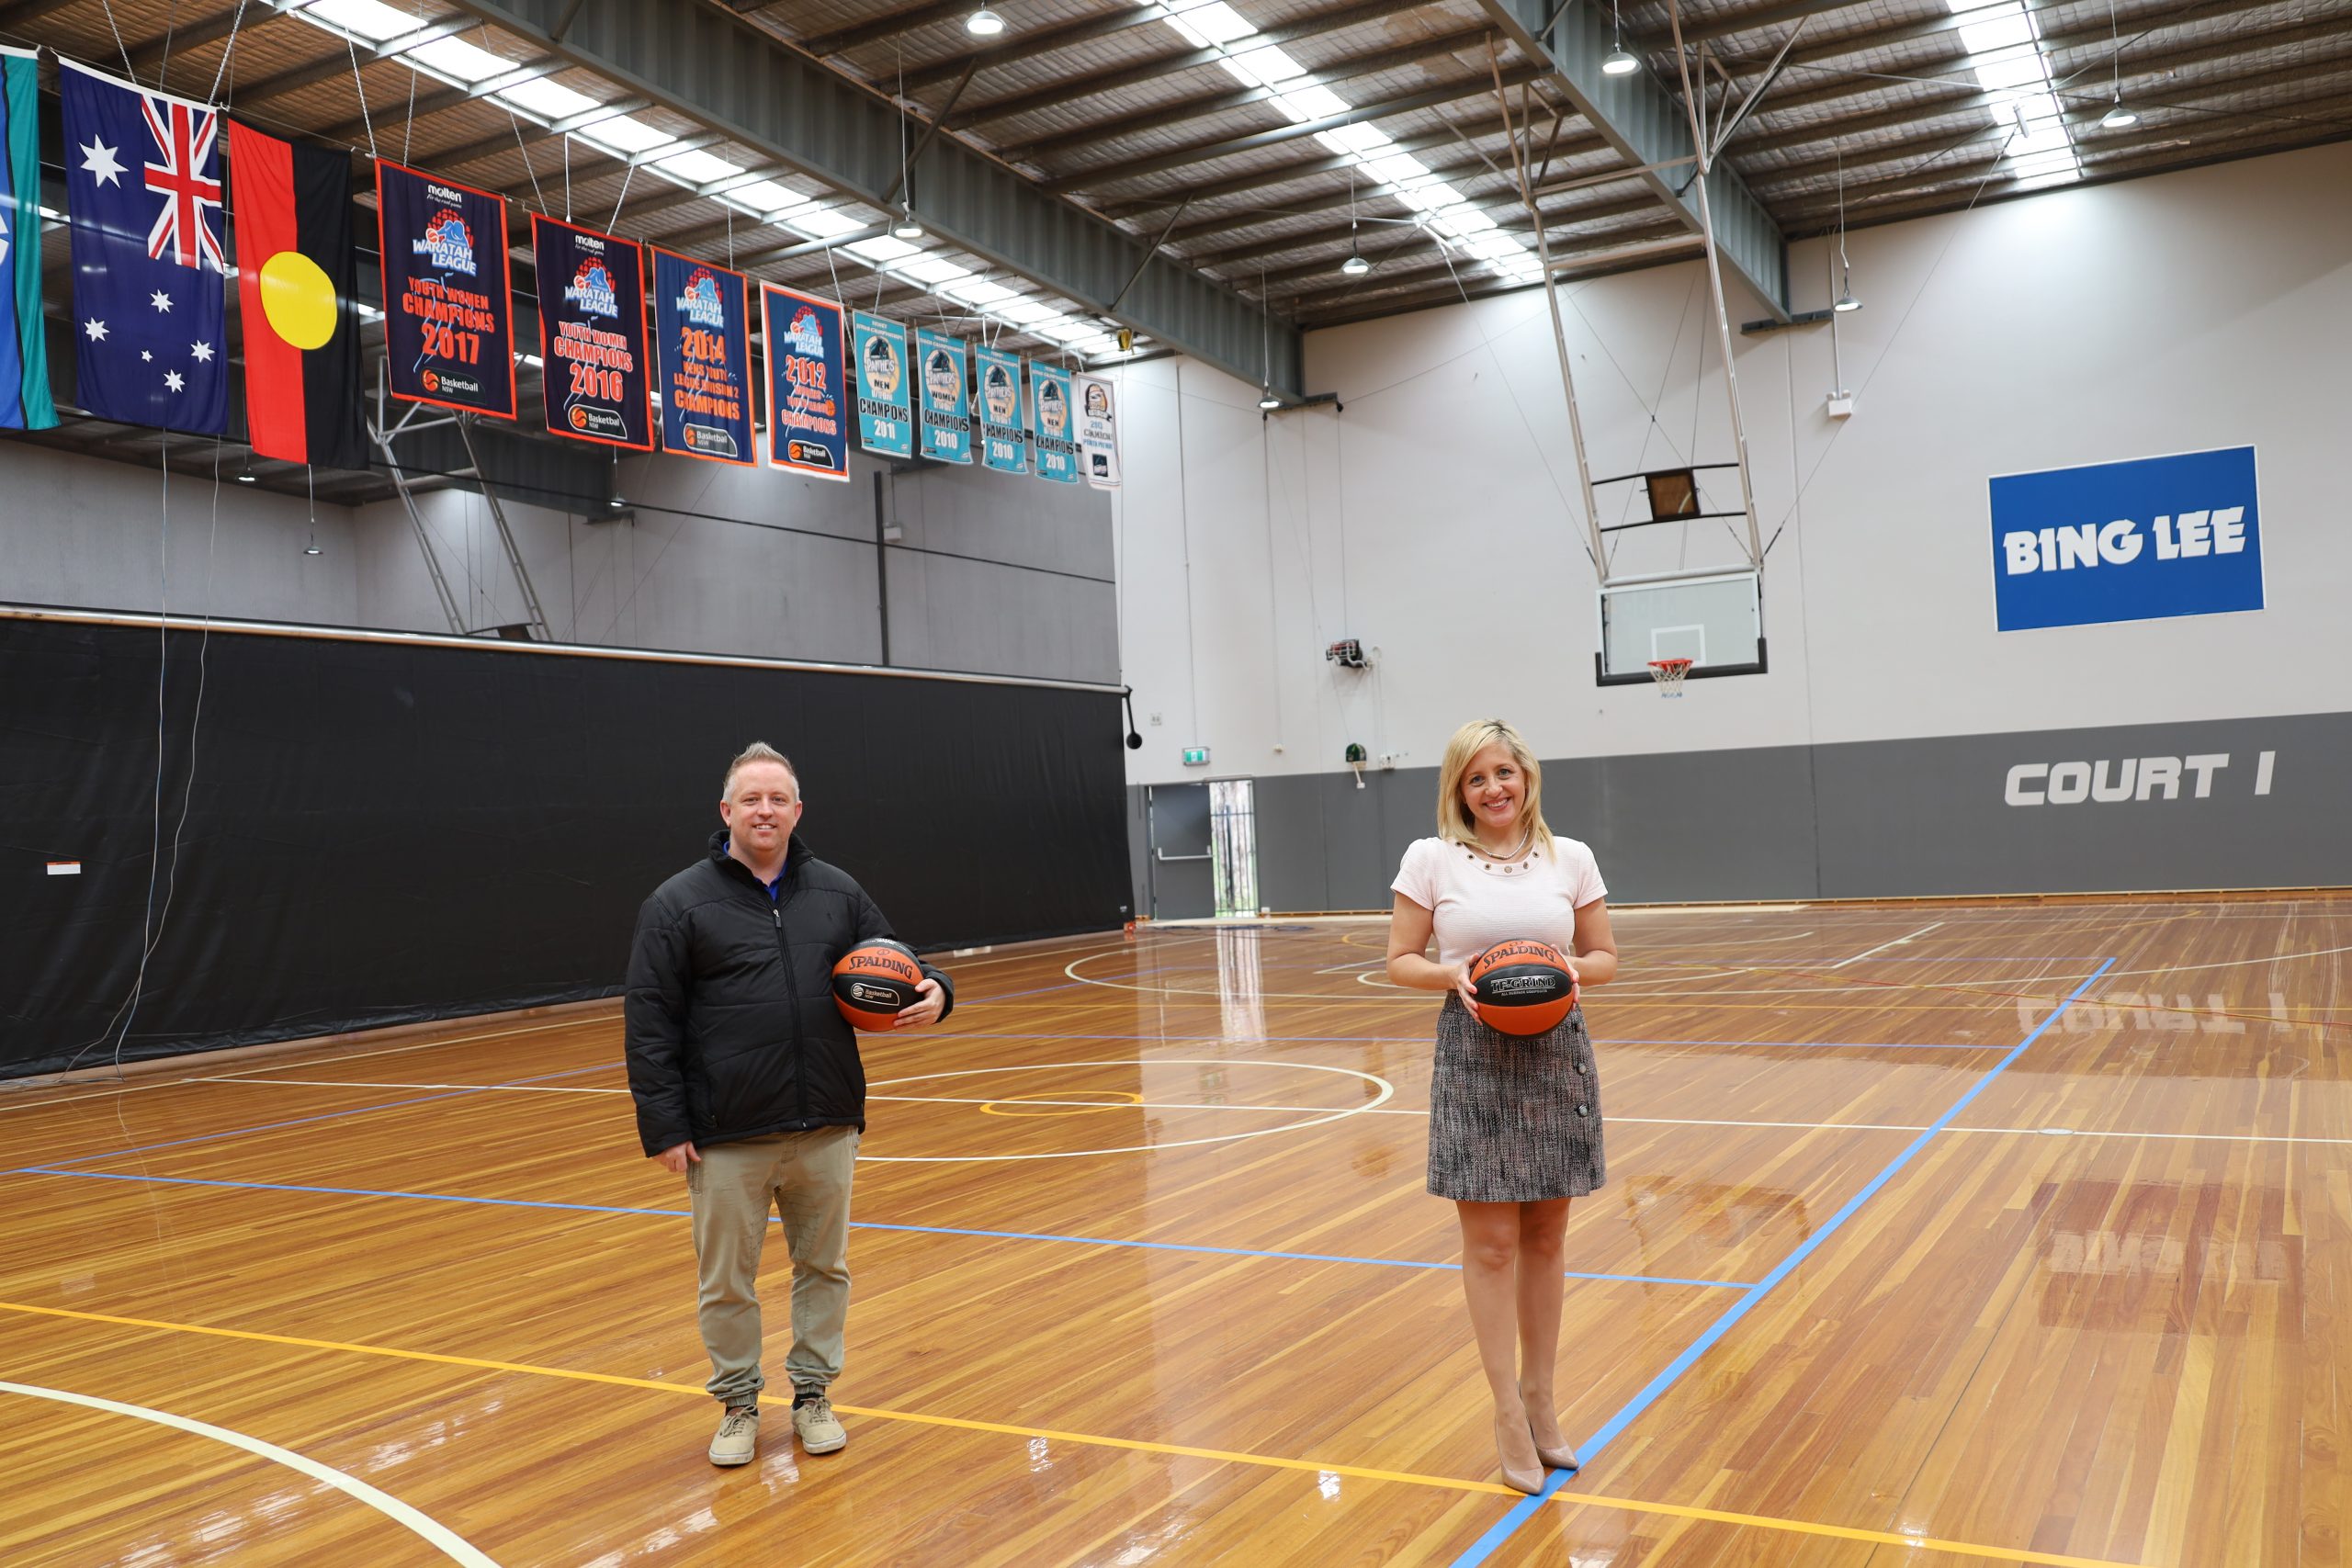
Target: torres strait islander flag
[(143, 189), (298, 279), (24, 346)]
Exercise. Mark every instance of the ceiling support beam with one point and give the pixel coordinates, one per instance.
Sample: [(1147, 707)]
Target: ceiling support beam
[(709, 67), (1649, 129)]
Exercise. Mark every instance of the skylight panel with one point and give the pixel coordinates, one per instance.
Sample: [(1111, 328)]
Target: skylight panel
[(2021, 69), (1431, 197), (1361, 139), (1463, 220), (1028, 312), (822, 224), (462, 61), (1265, 66), (1396, 168), (1213, 23), (1311, 102), (978, 291), (697, 167), (549, 100), (764, 199), (882, 248), (369, 20), (624, 133), (1999, 33), (936, 271)]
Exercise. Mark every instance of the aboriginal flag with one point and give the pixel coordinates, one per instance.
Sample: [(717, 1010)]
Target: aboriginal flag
[(298, 282)]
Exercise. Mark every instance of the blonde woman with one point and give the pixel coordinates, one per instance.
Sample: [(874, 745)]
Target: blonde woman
[(1514, 1119)]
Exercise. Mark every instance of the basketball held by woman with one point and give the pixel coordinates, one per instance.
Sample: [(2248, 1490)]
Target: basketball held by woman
[(1514, 1116)]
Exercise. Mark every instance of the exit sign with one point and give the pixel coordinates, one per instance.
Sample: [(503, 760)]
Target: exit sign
[(1197, 756)]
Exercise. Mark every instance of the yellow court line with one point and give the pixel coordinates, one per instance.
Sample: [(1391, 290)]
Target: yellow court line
[(1266, 1461)]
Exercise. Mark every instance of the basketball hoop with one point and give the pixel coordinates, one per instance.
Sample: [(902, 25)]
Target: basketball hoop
[(1668, 673)]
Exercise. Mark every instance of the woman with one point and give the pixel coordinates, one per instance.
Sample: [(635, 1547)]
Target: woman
[(1514, 1120)]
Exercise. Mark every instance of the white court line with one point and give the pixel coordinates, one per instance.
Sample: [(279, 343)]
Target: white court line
[(1882, 947), (452, 1545), (1376, 1108)]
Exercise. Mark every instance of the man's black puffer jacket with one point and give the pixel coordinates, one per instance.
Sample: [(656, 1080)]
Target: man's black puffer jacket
[(731, 1027)]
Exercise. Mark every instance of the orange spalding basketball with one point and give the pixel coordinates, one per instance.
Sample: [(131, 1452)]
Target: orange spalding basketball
[(874, 982), (1523, 988)]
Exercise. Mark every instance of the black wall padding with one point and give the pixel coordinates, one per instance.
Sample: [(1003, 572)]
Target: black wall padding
[(383, 832)]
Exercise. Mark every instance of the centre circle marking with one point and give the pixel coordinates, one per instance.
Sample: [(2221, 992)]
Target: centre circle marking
[(1004, 1107), (1387, 1093)]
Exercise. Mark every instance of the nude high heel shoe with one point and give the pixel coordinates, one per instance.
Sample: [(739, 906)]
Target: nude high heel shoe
[(1528, 1480)]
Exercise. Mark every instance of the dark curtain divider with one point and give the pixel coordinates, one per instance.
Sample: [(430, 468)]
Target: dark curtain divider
[(384, 832)]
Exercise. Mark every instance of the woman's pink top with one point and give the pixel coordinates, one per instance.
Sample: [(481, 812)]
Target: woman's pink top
[(1477, 903)]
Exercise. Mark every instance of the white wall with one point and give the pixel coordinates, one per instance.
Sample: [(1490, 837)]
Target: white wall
[(1437, 518)]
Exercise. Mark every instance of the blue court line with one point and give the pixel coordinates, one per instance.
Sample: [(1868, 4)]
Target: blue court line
[(1504, 1527), (327, 1116), (854, 1224)]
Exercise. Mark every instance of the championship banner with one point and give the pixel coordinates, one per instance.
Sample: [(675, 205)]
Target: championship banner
[(805, 430), (448, 335), (24, 347), (142, 188), (702, 333), (297, 291), (1049, 413), (593, 373), (886, 415), (1004, 443), (1098, 431), (946, 418)]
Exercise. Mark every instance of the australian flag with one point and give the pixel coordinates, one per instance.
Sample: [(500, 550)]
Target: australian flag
[(142, 184)]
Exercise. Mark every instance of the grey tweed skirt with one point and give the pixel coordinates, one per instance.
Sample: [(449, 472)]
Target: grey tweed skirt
[(1513, 1119)]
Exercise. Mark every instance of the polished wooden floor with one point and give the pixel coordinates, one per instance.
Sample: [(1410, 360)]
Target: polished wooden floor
[(1146, 1274)]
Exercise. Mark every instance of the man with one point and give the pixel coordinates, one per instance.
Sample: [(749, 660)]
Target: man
[(748, 1084)]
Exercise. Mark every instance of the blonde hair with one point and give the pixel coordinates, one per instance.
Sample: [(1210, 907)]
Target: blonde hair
[(757, 751), (1454, 823)]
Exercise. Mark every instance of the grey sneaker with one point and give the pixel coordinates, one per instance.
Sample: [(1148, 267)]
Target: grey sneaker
[(738, 1435), (821, 1431)]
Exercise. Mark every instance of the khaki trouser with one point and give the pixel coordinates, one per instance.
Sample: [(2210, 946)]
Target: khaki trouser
[(807, 1176)]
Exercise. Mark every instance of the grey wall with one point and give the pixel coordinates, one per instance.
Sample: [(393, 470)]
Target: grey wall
[(991, 574), (1898, 819)]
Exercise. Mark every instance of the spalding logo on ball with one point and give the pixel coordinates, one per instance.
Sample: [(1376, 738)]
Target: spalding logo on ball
[(1523, 988), (874, 982)]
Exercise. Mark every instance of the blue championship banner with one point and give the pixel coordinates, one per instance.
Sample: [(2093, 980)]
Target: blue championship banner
[(946, 417), (1004, 440), (807, 431), (448, 335), (592, 335), (702, 339), (1054, 435), (886, 415), (2132, 541)]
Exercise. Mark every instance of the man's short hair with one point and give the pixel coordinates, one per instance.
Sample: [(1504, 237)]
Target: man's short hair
[(757, 751)]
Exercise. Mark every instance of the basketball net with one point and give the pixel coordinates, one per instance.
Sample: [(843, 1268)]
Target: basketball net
[(1668, 673)]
